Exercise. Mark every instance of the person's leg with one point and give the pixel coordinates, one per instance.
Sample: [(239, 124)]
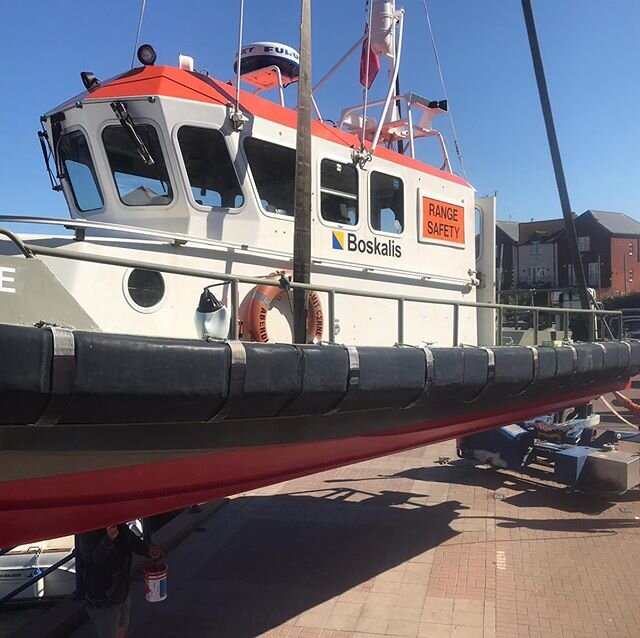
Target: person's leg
[(106, 620), (124, 617)]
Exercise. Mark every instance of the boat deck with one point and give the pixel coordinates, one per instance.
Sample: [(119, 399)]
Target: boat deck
[(405, 546)]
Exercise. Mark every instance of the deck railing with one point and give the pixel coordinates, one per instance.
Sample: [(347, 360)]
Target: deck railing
[(590, 316)]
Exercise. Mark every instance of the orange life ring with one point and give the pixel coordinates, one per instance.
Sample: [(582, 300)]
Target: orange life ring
[(261, 300)]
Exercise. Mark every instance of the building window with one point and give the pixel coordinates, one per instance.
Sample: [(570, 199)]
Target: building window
[(212, 177), (78, 167), (273, 168), (138, 183), (338, 192), (571, 275), (594, 274), (387, 203), (584, 243), (535, 248)]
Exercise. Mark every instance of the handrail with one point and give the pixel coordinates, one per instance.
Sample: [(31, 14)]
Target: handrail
[(258, 281), (332, 291), (18, 242), (180, 239), (30, 250)]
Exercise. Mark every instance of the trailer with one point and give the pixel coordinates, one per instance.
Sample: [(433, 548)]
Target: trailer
[(570, 447)]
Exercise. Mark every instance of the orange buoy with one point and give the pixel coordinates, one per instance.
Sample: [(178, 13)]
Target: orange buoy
[(262, 299)]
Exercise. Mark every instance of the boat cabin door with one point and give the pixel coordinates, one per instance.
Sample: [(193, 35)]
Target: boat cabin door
[(485, 227)]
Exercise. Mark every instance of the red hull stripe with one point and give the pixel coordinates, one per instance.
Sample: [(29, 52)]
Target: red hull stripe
[(169, 81), (35, 509)]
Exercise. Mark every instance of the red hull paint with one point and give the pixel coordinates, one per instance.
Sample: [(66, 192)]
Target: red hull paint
[(34, 509)]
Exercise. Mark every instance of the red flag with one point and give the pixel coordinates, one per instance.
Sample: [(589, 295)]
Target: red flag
[(369, 58)]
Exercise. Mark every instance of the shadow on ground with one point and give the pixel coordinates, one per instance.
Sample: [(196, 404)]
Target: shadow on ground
[(286, 554), (532, 491), (294, 552)]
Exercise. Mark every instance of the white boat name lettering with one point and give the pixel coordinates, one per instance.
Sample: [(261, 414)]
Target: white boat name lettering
[(272, 49), (6, 278)]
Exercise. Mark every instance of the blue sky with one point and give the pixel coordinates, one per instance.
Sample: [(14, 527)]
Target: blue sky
[(590, 50)]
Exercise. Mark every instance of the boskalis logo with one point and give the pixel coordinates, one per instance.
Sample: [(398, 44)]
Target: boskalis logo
[(350, 242)]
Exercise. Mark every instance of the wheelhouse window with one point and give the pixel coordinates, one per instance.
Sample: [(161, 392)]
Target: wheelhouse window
[(212, 177), (273, 168), (138, 183), (79, 169), (387, 203), (338, 192)]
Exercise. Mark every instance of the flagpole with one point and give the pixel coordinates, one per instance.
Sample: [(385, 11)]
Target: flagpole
[(302, 195)]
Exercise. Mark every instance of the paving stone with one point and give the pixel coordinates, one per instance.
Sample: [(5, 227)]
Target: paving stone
[(401, 546)]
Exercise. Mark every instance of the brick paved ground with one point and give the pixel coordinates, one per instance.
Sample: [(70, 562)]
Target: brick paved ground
[(403, 546)]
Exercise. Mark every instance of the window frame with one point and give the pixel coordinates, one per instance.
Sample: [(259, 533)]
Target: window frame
[(405, 209), (167, 161), (594, 267), (184, 174), (143, 310), (586, 239), (254, 186), (326, 222), (67, 184)]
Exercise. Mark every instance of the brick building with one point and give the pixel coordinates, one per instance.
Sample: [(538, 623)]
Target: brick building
[(610, 247)]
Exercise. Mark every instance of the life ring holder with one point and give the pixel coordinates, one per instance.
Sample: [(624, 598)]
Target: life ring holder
[(262, 299)]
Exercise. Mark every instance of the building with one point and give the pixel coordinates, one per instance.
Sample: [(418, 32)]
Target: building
[(609, 243), (525, 255), (536, 259), (507, 237)]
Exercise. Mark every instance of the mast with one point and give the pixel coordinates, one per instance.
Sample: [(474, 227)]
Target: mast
[(302, 201), (570, 227)]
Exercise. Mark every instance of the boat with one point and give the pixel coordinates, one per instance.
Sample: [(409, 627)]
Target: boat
[(148, 360), (25, 562)]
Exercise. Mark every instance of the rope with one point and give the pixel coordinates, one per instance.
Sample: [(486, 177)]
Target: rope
[(367, 41), (140, 19), (612, 409), (444, 90)]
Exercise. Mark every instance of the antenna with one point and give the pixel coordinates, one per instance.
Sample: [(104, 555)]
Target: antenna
[(143, 6), (236, 116)]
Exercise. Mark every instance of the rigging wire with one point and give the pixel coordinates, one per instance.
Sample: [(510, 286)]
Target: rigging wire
[(444, 90), (140, 19), (367, 43)]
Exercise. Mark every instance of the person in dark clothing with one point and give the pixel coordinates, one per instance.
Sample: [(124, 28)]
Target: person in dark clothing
[(105, 561)]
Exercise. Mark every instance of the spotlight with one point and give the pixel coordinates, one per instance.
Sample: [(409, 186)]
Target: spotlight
[(147, 55), (439, 104), (89, 80)]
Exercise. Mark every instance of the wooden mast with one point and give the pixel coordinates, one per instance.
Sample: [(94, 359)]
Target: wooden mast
[(302, 202)]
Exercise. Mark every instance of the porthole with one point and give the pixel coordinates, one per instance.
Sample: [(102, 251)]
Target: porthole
[(143, 289)]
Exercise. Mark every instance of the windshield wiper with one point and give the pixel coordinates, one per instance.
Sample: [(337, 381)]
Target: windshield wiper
[(120, 109)]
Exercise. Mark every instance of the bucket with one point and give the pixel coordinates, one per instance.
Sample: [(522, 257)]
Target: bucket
[(155, 582)]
